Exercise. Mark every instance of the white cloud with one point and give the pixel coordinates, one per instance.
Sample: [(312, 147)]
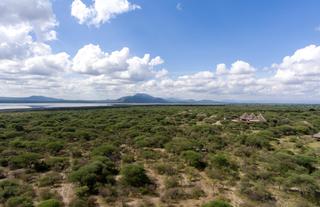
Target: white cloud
[(28, 66), (101, 11), (302, 66), (16, 42), (92, 60), (25, 26), (241, 68), (37, 14), (47, 64), (93, 73)]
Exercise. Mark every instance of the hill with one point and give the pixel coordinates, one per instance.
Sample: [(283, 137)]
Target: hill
[(140, 98)]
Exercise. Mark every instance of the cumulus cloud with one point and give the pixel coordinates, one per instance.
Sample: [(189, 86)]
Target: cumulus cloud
[(101, 11), (25, 27), (302, 66), (118, 64), (36, 14)]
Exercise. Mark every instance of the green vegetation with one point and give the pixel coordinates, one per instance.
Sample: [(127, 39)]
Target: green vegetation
[(160, 156), (134, 175), (217, 203), (50, 203)]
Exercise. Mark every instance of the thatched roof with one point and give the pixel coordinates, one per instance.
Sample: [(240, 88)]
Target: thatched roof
[(244, 116), (317, 135), (261, 118), (252, 117)]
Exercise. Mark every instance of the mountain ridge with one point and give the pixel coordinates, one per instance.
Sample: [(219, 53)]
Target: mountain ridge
[(136, 98)]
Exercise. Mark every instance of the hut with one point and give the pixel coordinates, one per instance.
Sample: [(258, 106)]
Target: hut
[(252, 118), (261, 118), (244, 117), (317, 136)]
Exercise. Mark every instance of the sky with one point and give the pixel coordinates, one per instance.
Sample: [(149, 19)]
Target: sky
[(245, 50)]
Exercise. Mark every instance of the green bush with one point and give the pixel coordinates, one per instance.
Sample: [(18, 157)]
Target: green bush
[(221, 161), (55, 147), (155, 141), (306, 185), (8, 189), (177, 145), (19, 201), (134, 175), (171, 182), (50, 203), (78, 203), (165, 169), (24, 160), (217, 203), (50, 179), (57, 163), (193, 159), (174, 194), (107, 150), (93, 173)]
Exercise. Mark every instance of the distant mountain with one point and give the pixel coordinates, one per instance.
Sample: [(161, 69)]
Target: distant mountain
[(140, 98), (30, 99), (192, 101)]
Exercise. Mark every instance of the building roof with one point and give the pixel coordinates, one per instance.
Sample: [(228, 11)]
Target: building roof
[(244, 116), (261, 118), (252, 117)]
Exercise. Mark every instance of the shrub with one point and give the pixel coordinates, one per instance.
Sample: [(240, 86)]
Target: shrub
[(197, 193), (134, 175), (50, 179), (93, 173), (57, 163), (55, 147), (306, 184), (46, 194), (83, 191), (177, 145), (165, 169), (150, 154), (193, 159), (8, 189), (171, 182), (257, 191), (217, 203), (155, 141), (221, 161), (174, 194), (19, 201), (127, 158), (259, 140), (50, 203), (107, 150), (78, 203), (24, 160)]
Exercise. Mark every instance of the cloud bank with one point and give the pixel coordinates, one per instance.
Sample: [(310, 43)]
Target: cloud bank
[(28, 65)]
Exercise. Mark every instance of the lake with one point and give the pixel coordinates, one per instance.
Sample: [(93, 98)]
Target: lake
[(12, 106)]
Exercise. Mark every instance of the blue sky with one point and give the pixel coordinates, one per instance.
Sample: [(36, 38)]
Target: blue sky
[(250, 50), (201, 35)]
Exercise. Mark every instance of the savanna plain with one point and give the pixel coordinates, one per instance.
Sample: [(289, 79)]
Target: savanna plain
[(144, 156)]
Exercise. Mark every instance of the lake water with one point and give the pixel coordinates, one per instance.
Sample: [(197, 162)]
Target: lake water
[(9, 106)]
